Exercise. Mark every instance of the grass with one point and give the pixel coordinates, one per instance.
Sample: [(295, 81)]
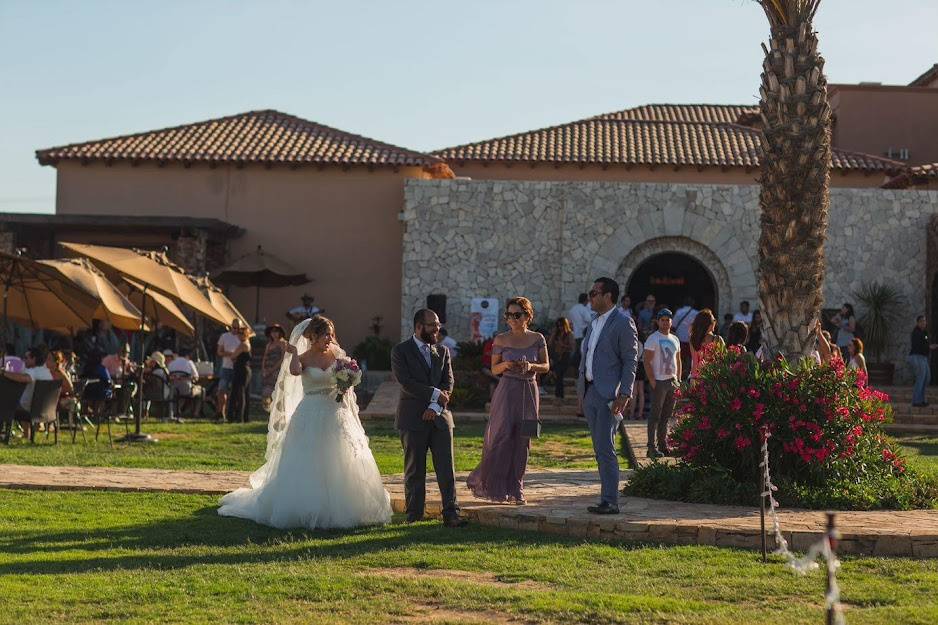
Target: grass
[(210, 446), (89, 557), (921, 451)]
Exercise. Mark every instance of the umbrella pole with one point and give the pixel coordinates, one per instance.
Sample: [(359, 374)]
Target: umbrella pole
[(257, 306), (138, 436)]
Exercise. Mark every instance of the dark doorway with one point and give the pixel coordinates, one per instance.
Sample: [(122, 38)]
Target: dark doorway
[(933, 328), (671, 277)]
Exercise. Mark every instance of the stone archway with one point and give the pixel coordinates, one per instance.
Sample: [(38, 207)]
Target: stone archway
[(694, 252)]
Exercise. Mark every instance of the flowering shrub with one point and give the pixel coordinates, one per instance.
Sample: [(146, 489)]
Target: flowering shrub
[(824, 427)]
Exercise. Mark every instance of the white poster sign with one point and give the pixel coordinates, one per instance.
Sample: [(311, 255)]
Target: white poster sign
[(483, 318)]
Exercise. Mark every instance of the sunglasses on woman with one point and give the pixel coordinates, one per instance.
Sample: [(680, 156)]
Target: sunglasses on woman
[(515, 315)]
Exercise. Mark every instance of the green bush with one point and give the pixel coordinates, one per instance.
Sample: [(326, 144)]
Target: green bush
[(826, 443), (375, 351)]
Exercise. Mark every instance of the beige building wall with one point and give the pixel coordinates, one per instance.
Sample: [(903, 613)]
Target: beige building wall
[(874, 118), (623, 173), (339, 226)]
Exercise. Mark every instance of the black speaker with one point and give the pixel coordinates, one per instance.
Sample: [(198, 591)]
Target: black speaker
[(437, 303)]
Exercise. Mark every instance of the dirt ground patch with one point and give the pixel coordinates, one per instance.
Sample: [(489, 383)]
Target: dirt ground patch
[(439, 615)]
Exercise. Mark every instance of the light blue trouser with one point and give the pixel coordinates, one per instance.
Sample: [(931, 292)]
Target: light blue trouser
[(922, 373), (603, 426)]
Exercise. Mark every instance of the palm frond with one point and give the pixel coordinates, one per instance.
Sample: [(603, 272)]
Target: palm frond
[(788, 12)]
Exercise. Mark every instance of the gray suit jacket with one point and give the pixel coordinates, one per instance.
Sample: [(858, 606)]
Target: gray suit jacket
[(417, 384), (615, 358)]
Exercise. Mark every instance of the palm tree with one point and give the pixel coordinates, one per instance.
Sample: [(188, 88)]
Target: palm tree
[(795, 176)]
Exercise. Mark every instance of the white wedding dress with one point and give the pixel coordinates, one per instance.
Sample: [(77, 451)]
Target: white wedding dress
[(319, 472)]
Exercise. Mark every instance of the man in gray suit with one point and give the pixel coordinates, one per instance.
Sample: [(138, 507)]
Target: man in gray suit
[(425, 374), (607, 373)]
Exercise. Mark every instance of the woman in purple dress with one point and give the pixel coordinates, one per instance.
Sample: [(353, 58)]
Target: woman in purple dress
[(517, 355)]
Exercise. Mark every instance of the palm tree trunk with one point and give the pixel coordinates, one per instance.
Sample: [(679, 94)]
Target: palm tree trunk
[(795, 176)]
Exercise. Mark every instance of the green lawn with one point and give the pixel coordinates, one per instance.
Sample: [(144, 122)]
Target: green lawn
[(922, 451), (209, 446), (84, 557)]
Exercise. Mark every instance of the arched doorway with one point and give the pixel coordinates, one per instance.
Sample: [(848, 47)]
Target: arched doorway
[(670, 277)]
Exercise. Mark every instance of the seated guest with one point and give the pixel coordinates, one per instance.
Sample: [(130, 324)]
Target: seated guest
[(12, 362), (57, 364), (119, 364), (34, 359), (99, 386), (156, 367), (183, 372)]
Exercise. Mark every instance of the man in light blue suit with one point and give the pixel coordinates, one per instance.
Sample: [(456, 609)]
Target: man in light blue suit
[(607, 373)]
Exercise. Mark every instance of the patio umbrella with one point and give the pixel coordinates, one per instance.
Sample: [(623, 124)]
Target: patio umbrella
[(40, 297), (112, 304), (219, 300), (260, 270), (157, 307), (150, 271)]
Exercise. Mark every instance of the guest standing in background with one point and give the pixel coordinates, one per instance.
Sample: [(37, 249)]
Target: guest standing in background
[(306, 309), (580, 316), (518, 355), (646, 317), (737, 335), (662, 364), (238, 405), (228, 344), (754, 342), (725, 326), (857, 359), (625, 305), (560, 346), (919, 355), (701, 335), (449, 343), (273, 357), (683, 318), (846, 323), (743, 315)]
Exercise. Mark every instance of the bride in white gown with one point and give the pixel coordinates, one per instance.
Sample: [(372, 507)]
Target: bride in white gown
[(319, 472)]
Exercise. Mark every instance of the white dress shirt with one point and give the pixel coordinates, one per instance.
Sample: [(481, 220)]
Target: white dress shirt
[(596, 328), (580, 317), (424, 351)]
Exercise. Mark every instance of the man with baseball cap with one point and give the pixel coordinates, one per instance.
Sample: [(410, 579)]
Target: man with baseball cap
[(663, 371)]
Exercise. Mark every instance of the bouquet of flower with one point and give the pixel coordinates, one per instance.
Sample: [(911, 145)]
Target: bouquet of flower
[(347, 375)]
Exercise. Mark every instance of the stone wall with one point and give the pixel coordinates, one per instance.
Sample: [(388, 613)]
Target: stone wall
[(548, 240)]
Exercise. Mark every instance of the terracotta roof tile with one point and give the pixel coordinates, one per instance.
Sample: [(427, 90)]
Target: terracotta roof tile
[(614, 141), (254, 137), (920, 174), (929, 77), (720, 113)]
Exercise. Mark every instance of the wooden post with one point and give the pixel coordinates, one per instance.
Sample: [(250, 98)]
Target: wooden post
[(762, 497), (831, 538)]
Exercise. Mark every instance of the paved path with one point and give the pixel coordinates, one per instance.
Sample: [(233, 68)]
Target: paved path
[(557, 501)]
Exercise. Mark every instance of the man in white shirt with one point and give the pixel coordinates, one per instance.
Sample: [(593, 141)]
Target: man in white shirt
[(183, 373), (663, 370), (743, 315), (34, 359), (227, 344), (449, 343), (580, 316), (683, 319), (305, 310)]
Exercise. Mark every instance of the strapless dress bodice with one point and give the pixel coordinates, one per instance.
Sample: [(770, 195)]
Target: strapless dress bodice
[(317, 381)]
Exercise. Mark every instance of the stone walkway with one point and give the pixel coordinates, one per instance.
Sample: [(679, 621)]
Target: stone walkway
[(557, 501)]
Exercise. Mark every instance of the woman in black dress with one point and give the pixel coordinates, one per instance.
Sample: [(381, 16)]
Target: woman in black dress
[(239, 400)]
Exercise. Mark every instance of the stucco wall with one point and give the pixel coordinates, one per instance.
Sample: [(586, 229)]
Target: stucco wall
[(341, 227), (549, 240)]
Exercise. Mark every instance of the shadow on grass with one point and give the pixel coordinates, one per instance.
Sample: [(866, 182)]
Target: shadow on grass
[(205, 529)]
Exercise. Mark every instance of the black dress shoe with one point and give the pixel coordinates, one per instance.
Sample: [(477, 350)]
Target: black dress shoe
[(603, 508), (455, 521)]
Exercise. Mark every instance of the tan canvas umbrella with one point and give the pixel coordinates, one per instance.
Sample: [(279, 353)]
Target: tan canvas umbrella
[(40, 297), (112, 304), (261, 269), (146, 270), (157, 307), (220, 301)]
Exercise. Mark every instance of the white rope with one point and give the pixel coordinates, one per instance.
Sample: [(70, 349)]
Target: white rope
[(820, 548)]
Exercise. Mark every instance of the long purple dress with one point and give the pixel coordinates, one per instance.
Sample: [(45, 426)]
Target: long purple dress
[(500, 475)]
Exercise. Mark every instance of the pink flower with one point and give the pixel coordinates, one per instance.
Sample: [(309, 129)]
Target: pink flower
[(736, 404), (723, 434), (758, 412), (742, 442), (754, 393)]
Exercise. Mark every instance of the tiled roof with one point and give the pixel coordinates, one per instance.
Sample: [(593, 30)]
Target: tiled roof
[(927, 78), (920, 174), (613, 141), (254, 137), (721, 113)]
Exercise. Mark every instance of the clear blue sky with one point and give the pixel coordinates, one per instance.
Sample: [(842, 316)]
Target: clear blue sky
[(423, 75)]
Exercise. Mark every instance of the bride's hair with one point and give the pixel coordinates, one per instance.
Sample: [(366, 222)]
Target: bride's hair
[(318, 326)]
